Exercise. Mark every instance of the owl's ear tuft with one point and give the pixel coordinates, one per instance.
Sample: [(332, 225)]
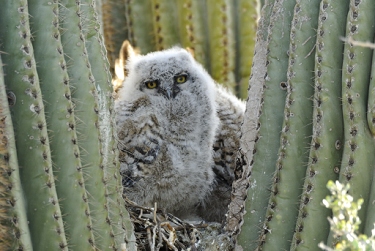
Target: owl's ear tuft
[(191, 51), (127, 51)]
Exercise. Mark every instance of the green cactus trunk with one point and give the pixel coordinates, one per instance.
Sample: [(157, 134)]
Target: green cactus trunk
[(357, 165), (141, 32), (118, 216), (30, 127), (221, 42), (265, 157), (14, 231), (326, 144), (65, 141), (60, 118), (342, 145), (245, 15)]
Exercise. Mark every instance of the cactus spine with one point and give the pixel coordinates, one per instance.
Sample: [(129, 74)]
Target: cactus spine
[(73, 110), (358, 155), (326, 145), (21, 79), (118, 216), (14, 232), (342, 146), (60, 117), (264, 159)]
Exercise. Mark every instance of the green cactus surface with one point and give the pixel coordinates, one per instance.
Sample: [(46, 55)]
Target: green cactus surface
[(358, 160), (30, 128), (60, 117), (271, 118), (63, 131), (326, 145), (118, 216), (14, 231)]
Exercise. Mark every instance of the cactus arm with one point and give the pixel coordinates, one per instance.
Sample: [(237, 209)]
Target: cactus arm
[(221, 42), (295, 138), (191, 28), (60, 119), (246, 21), (271, 118), (141, 31), (118, 215), (164, 23), (43, 211), (14, 233), (358, 159), (325, 153)]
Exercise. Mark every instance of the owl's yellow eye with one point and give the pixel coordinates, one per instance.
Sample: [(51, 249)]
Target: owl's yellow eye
[(151, 84), (181, 78)]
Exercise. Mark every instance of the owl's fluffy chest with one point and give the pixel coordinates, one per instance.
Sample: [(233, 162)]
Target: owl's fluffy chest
[(179, 117)]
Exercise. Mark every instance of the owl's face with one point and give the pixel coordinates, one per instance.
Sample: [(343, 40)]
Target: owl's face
[(167, 75)]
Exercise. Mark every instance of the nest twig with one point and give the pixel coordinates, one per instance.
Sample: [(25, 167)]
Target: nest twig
[(157, 230)]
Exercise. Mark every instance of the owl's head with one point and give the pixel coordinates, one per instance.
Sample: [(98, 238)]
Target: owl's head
[(165, 74)]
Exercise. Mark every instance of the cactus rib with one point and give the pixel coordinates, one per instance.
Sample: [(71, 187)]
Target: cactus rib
[(235, 223), (191, 28), (271, 118), (245, 19), (326, 145), (118, 215), (141, 31), (358, 159), (85, 99), (61, 122), (14, 231), (164, 23), (221, 42), (21, 78), (295, 138)]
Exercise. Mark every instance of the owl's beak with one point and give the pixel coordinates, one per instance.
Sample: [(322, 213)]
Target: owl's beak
[(170, 92)]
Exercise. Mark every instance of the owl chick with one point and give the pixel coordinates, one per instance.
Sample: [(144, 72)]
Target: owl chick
[(178, 134)]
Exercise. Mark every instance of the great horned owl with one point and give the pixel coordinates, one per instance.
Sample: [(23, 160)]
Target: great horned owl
[(177, 146)]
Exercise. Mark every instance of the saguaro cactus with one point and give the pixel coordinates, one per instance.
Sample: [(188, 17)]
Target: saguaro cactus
[(336, 104), (14, 232), (63, 130)]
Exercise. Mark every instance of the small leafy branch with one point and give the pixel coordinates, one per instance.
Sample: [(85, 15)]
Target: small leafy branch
[(345, 221)]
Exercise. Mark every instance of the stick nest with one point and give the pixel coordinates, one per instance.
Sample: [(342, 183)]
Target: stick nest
[(158, 230)]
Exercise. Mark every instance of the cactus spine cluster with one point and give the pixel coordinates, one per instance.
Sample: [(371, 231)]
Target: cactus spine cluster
[(325, 133), (59, 93)]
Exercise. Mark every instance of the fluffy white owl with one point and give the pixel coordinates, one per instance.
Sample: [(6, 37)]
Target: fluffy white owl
[(174, 146)]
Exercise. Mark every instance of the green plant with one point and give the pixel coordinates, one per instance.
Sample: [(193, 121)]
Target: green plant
[(345, 221)]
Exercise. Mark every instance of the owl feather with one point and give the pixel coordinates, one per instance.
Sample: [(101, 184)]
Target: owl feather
[(178, 134)]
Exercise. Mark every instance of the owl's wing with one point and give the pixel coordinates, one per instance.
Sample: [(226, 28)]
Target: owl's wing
[(140, 140), (230, 111)]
